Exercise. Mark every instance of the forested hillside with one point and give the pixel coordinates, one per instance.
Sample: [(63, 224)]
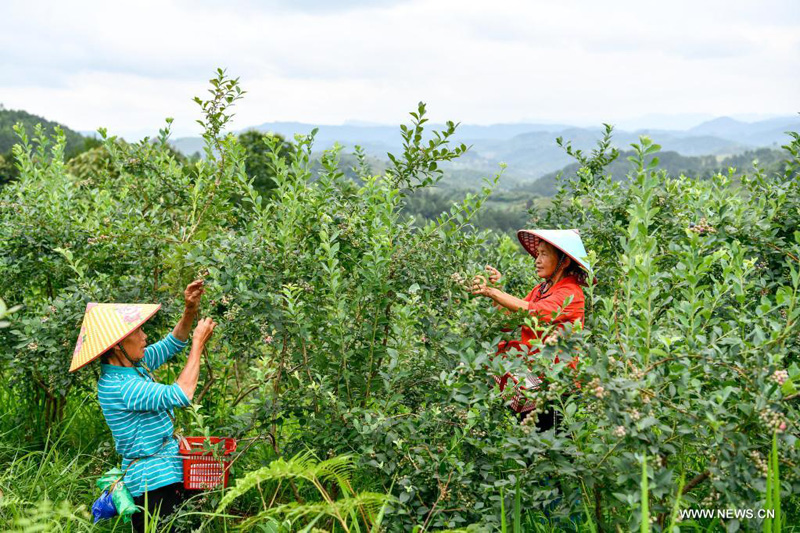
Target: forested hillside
[(674, 164), (9, 118)]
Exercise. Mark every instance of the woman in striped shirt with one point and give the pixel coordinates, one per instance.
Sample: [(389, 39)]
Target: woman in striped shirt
[(137, 409)]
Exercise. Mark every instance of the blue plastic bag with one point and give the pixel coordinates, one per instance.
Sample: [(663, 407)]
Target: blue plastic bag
[(103, 507)]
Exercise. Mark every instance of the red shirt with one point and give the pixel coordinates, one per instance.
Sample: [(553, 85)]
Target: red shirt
[(544, 307)]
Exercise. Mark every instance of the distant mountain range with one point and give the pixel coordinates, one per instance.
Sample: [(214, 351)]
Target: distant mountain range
[(530, 150)]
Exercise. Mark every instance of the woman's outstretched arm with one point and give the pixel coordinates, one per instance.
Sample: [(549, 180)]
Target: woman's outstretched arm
[(500, 298), (506, 301)]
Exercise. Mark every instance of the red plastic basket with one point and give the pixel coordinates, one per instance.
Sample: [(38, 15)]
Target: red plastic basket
[(201, 470)]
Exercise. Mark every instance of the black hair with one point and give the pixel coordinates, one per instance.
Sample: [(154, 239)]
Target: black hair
[(574, 269), (107, 356)]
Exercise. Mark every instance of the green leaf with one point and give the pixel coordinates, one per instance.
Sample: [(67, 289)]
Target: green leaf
[(570, 410)]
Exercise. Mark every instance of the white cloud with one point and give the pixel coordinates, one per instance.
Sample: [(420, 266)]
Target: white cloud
[(127, 66)]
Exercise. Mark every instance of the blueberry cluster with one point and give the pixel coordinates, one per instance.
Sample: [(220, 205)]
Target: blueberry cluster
[(711, 499), (773, 420), (759, 462), (779, 376), (529, 423), (597, 389), (702, 227)]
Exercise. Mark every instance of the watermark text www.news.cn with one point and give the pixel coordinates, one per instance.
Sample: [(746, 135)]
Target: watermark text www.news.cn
[(729, 514)]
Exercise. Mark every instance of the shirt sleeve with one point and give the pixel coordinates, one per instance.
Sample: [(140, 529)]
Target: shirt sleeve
[(553, 308), (143, 395), (529, 296), (162, 351)]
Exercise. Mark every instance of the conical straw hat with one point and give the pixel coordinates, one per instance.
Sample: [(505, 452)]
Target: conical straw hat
[(567, 240), (105, 325)]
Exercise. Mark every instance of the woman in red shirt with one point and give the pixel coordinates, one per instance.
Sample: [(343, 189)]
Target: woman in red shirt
[(561, 262)]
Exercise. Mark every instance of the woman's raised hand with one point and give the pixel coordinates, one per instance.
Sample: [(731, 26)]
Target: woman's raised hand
[(193, 294), (479, 286), (494, 275), (203, 330)]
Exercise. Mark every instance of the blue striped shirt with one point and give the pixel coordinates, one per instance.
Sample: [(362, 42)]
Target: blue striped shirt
[(137, 411)]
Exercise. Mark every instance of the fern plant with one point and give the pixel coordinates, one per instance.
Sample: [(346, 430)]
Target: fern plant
[(350, 511)]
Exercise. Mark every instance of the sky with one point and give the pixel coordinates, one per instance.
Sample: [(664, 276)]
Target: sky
[(129, 65)]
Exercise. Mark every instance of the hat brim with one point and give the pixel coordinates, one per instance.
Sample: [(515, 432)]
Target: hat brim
[(117, 339), (529, 239)]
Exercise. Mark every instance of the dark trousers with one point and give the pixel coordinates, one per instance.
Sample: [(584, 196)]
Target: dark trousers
[(546, 420), (164, 500)]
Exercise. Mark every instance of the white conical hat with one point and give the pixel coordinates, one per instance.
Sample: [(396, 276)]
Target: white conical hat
[(567, 240)]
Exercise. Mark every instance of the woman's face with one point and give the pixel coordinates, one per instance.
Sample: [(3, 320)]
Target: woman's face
[(135, 344), (547, 260)]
